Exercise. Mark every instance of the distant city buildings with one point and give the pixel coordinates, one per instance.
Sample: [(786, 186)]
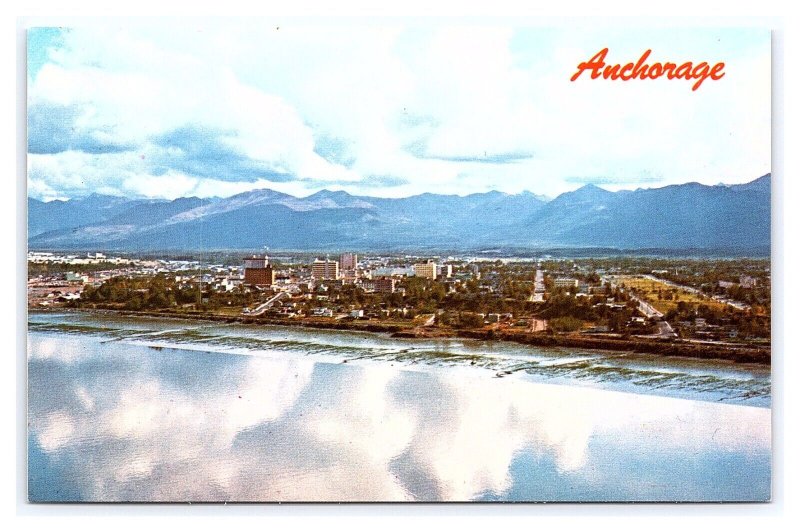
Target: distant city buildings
[(476, 271), (348, 268), (345, 288), (258, 272), (325, 270), (40, 257), (392, 272), (348, 276), (427, 270), (384, 285), (745, 281), (348, 261), (565, 282), (72, 277)]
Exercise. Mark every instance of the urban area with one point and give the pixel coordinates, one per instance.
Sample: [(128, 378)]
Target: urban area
[(712, 302)]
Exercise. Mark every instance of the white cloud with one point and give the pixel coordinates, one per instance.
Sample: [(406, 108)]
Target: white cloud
[(436, 106), (55, 430)]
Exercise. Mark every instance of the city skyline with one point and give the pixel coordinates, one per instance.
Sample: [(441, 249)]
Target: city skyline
[(388, 110)]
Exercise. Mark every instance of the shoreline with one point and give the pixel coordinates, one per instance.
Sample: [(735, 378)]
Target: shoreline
[(656, 347)]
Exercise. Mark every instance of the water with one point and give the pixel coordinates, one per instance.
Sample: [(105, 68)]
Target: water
[(168, 410)]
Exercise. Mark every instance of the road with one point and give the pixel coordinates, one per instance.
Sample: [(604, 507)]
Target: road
[(644, 307), (538, 287), (263, 307), (665, 330)]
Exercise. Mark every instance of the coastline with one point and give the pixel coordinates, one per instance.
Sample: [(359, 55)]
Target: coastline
[(656, 347)]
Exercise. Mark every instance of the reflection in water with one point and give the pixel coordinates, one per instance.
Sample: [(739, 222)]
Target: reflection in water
[(119, 422), (729, 382)]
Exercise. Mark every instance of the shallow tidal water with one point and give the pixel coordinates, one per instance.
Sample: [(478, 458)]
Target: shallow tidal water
[(143, 409)]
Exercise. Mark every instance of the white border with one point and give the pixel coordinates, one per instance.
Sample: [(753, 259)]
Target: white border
[(613, 14)]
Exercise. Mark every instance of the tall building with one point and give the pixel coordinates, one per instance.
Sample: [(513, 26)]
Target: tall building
[(257, 271), (348, 261), (444, 270), (426, 270), (325, 270)]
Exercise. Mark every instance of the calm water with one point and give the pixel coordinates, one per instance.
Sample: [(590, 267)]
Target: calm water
[(168, 410)]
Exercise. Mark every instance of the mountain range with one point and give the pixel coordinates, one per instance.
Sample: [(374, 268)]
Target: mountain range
[(689, 215)]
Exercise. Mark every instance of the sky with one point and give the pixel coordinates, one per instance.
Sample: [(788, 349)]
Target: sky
[(213, 108)]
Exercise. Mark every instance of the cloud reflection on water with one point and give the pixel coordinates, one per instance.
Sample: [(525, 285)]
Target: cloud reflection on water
[(130, 423)]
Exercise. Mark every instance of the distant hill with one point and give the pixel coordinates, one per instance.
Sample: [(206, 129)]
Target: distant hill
[(673, 217), (57, 214)]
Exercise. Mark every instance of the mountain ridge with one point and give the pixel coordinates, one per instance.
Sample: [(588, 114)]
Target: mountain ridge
[(685, 215)]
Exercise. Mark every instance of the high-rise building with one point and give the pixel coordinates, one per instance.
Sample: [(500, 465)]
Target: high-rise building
[(257, 271), (444, 270), (426, 270), (348, 261), (325, 270)]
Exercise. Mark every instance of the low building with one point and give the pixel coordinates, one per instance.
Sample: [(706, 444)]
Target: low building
[(73, 277), (476, 270), (565, 282), (444, 271), (745, 281), (391, 272), (348, 276), (384, 284)]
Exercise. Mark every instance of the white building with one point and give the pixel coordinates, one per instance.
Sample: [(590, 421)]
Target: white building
[(427, 270), (565, 282)]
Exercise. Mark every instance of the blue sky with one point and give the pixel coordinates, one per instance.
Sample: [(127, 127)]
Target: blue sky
[(386, 109)]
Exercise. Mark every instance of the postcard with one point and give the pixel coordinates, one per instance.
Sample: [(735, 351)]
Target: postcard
[(398, 260)]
